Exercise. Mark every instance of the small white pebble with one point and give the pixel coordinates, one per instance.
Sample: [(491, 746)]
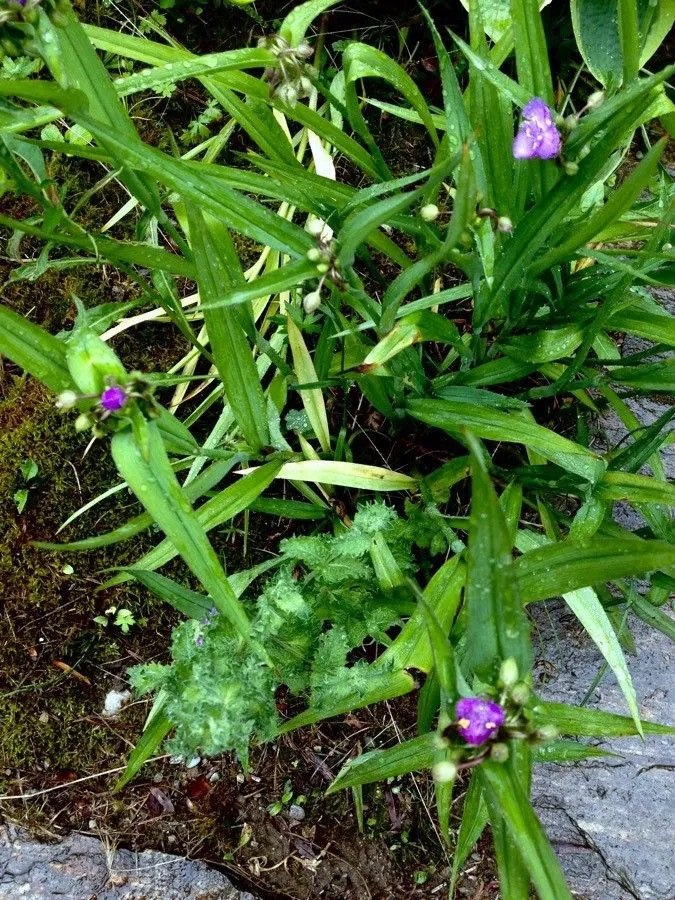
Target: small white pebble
[(113, 703), (194, 762)]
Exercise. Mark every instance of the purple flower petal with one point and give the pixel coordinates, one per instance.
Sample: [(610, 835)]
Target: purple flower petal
[(538, 112), (524, 144), (538, 135), (478, 720), (550, 144), (113, 398)]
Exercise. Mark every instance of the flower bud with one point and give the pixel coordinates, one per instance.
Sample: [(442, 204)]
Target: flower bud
[(82, 423), (312, 302), (504, 224), (430, 212), (315, 228), (322, 268), (499, 752), (520, 693), (287, 93), (571, 168), (304, 50), (508, 673), (595, 100), (314, 255), (547, 733), (444, 772), (67, 400), (305, 87)]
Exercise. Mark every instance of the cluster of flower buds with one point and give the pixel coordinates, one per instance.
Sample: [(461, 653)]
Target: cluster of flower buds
[(209, 619), (481, 726), (112, 403), (326, 266), (289, 79), (504, 224), (17, 21)]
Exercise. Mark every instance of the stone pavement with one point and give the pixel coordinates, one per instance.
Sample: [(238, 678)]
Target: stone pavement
[(82, 868)]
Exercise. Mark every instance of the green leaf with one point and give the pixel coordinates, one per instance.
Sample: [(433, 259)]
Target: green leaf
[(297, 22), (496, 625), (588, 609), (568, 751), (156, 730), (507, 800), (224, 506), (413, 755), (397, 684), (35, 350), (207, 64), (412, 649), (215, 259), (150, 476), (305, 373), (492, 424), (362, 61), (585, 722), (187, 602), (474, 820), (344, 474), (607, 34), (618, 202), (566, 566)]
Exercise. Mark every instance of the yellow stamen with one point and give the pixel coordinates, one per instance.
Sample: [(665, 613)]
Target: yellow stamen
[(463, 723), (490, 724)]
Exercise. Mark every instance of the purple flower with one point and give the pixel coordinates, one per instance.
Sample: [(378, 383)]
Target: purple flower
[(113, 398), (538, 136), (478, 720), (199, 640)]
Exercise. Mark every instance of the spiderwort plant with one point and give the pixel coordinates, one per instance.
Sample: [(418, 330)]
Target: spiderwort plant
[(347, 298)]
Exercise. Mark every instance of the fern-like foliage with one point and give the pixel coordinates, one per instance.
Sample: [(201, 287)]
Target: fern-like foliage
[(313, 617)]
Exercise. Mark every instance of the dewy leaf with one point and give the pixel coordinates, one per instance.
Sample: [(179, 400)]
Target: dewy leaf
[(584, 722), (215, 259), (508, 801), (586, 606), (305, 373), (35, 350), (410, 756), (297, 22), (496, 624), (555, 569), (153, 481), (493, 424)]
